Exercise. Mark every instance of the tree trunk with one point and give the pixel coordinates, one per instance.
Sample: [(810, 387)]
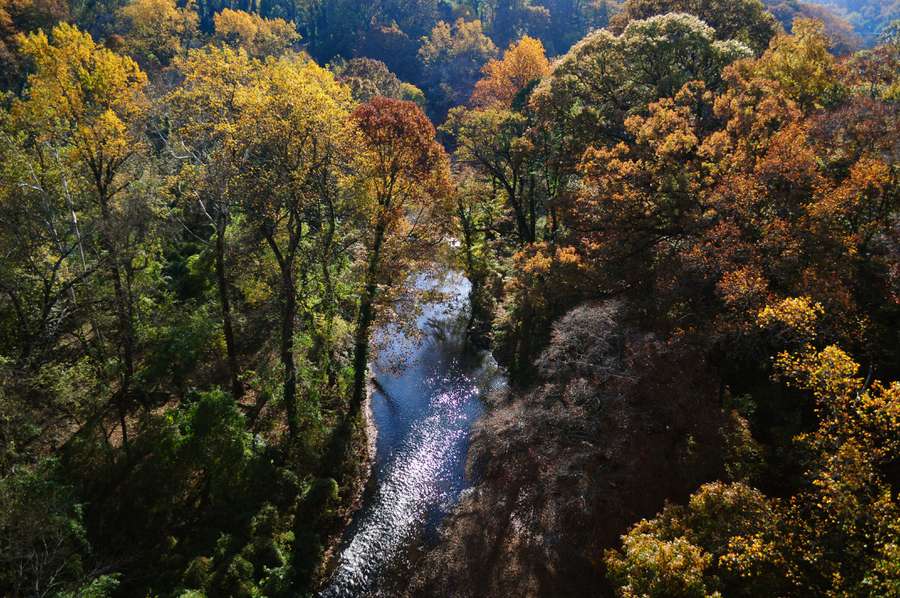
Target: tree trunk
[(468, 240), (364, 323), (515, 202), (237, 388), (289, 302), (123, 319), (532, 211), (330, 310)]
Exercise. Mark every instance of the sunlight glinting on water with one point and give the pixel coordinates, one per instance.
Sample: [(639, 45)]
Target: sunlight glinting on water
[(408, 488), (423, 417)]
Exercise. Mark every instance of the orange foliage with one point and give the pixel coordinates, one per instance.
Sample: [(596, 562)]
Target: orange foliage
[(522, 63)]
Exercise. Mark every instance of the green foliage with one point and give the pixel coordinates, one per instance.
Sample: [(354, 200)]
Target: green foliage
[(42, 536), (746, 21), (100, 587), (651, 59), (368, 78), (451, 58)]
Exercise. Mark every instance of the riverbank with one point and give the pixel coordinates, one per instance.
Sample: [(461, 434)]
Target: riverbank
[(563, 468)]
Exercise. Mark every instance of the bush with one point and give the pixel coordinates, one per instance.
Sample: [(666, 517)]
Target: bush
[(652, 568), (42, 536)]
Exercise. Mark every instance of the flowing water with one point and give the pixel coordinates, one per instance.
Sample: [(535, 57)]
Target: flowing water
[(430, 389)]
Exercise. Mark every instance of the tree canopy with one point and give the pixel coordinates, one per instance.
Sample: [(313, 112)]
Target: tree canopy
[(679, 220)]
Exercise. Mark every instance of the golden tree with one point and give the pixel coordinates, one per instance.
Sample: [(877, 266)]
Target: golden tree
[(522, 63), (88, 104), (258, 36), (294, 134)]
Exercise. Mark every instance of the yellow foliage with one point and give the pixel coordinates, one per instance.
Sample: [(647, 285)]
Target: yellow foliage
[(258, 36), (795, 315), (751, 556), (203, 106), (802, 64), (446, 42), (156, 30), (828, 373), (655, 568), (522, 63), (84, 94)]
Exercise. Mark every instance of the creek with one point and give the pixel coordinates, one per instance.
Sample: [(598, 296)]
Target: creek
[(428, 393)]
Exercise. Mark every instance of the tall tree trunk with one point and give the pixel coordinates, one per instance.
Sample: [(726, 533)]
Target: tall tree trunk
[(123, 318), (289, 308), (330, 298), (468, 237), (364, 322), (532, 211), (330, 309), (513, 195), (237, 388)]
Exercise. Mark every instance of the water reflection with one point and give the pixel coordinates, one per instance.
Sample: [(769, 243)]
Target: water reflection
[(429, 397)]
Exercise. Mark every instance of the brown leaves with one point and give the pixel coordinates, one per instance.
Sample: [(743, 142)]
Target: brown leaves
[(402, 136), (407, 174)]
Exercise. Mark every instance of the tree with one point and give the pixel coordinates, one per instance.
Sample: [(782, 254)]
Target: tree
[(42, 534), (293, 129), (803, 66), (655, 568), (451, 59), (259, 37), (746, 21), (843, 524), (876, 69), (416, 17), (23, 16), (335, 27), (204, 112), (492, 140), (405, 174), (512, 19), (604, 78), (392, 45), (523, 63), (842, 39), (156, 31), (689, 548), (750, 544), (638, 199), (570, 20), (88, 104), (368, 78)]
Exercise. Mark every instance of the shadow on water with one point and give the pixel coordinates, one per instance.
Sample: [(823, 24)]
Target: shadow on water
[(429, 389)]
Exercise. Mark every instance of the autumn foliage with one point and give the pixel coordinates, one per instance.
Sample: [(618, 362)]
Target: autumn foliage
[(681, 224), (523, 63)]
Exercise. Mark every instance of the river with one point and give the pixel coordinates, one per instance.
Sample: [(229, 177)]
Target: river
[(430, 386)]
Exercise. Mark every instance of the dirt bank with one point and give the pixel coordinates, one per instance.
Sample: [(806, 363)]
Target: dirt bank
[(565, 468)]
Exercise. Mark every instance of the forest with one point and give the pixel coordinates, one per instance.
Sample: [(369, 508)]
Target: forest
[(680, 220)]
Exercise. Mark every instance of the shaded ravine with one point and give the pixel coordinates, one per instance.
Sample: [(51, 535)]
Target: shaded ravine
[(427, 396)]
